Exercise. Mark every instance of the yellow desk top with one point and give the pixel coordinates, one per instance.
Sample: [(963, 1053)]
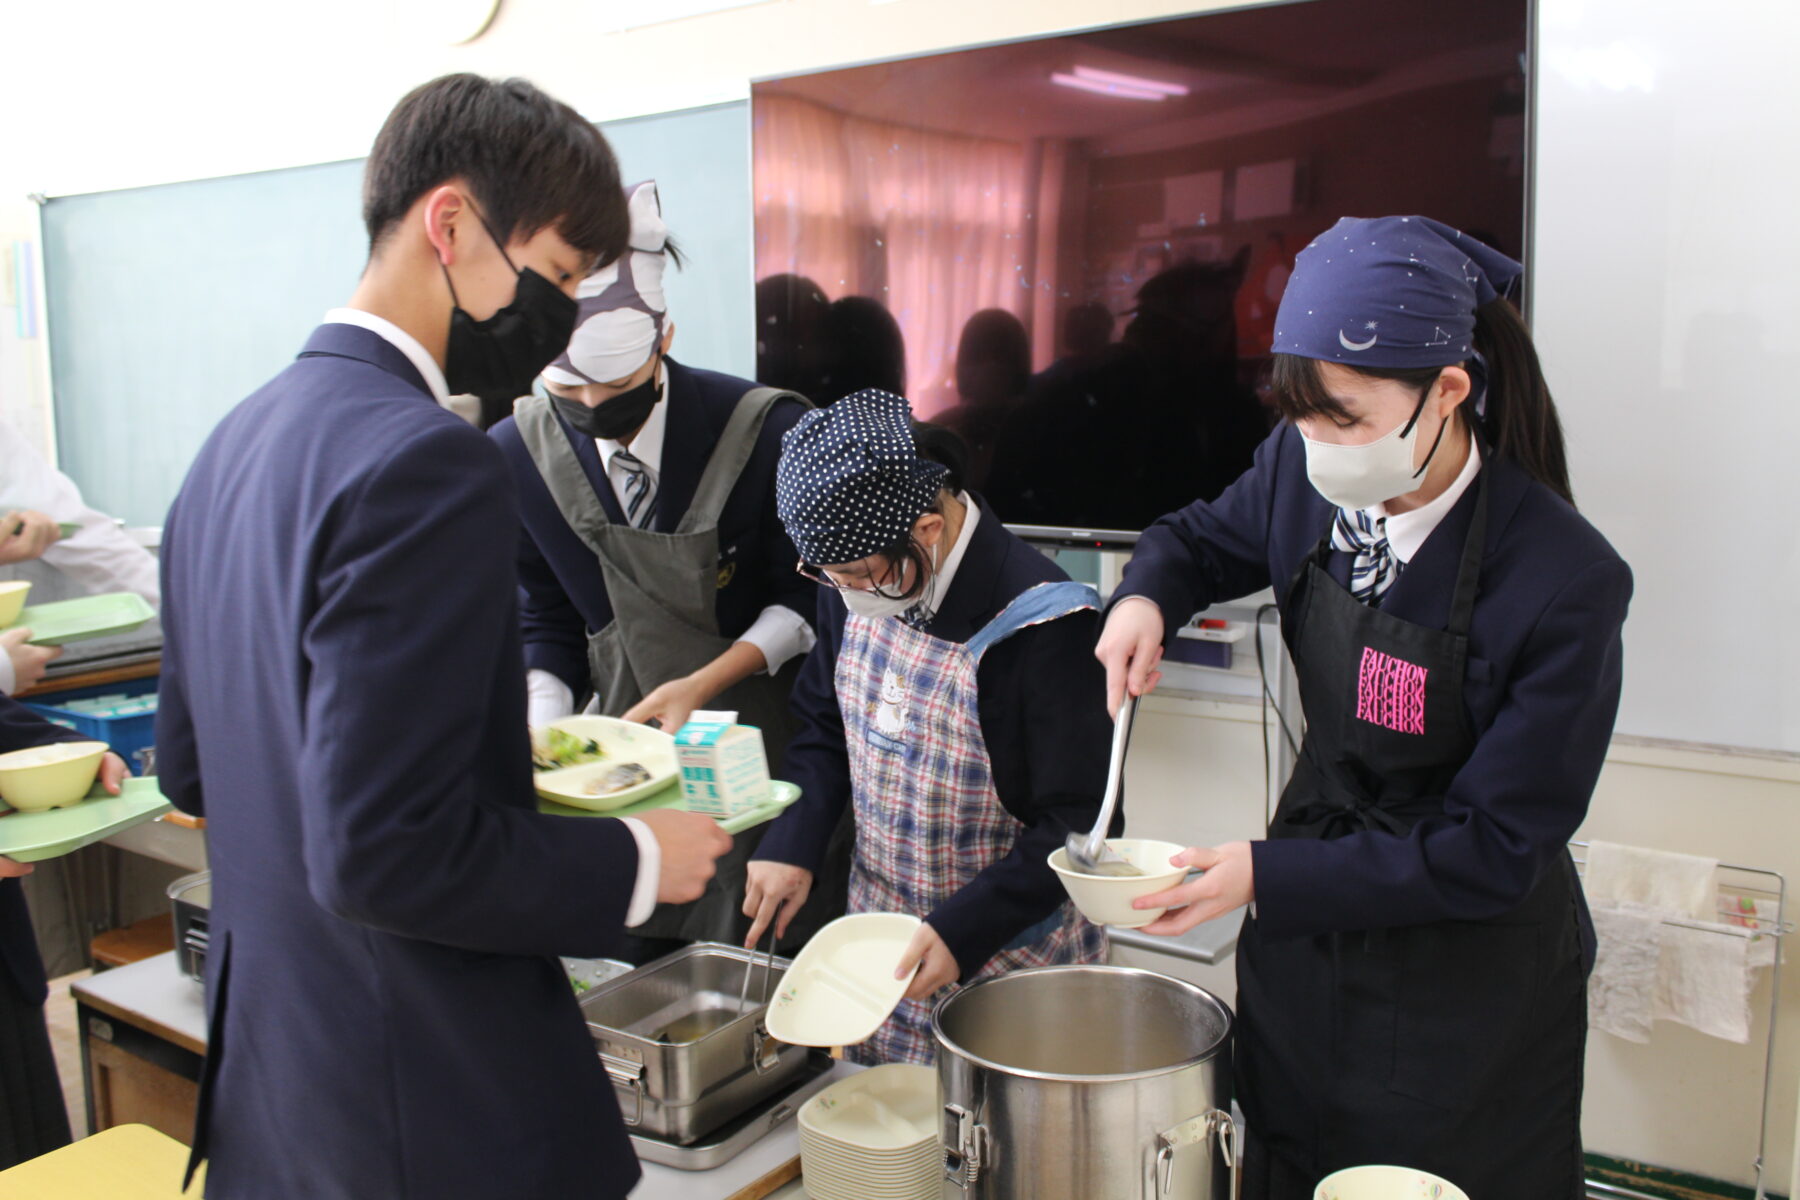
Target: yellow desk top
[(126, 1162)]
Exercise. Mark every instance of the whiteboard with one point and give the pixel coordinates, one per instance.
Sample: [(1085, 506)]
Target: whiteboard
[(1665, 245), (167, 305)]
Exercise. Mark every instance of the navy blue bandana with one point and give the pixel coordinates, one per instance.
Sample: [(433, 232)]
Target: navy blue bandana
[(851, 482), (1390, 292)]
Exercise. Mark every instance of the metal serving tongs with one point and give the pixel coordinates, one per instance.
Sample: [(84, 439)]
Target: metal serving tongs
[(1090, 854), (765, 1050), (768, 971)]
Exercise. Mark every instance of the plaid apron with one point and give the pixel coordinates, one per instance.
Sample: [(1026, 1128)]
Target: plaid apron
[(927, 817)]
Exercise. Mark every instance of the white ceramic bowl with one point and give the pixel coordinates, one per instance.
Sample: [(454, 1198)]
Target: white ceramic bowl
[(1386, 1183), (1106, 899), (842, 986), (53, 776), (12, 600)]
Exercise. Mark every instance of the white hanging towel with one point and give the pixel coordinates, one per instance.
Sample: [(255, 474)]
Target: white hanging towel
[(1703, 979), (1678, 885), (1703, 961), (1621, 992)]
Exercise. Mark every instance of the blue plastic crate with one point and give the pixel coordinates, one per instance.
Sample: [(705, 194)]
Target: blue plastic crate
[(84, 711)]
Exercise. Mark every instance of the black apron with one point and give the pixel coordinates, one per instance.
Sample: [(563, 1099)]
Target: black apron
[(1454, 1047)]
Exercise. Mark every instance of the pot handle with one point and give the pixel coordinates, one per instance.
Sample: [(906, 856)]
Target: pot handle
[(1204, 1128), (630, 1075), (962, 1140), (765, 1049)]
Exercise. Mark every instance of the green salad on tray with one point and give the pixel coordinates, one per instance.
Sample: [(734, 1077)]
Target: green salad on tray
[(553, 749)]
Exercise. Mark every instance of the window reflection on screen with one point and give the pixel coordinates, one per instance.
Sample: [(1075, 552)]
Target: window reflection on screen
[(1070, 250)]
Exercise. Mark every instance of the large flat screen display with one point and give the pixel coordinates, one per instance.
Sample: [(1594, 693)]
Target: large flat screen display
[(1070, 249)]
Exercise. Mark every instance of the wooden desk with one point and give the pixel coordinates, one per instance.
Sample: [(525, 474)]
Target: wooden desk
[(143, 1039), (129, 1162)]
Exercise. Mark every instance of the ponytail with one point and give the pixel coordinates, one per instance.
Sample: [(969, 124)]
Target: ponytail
[(1520, 417)]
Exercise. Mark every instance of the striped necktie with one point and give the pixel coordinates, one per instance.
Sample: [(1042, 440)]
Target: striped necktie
[(636, 488), (1375, 568)]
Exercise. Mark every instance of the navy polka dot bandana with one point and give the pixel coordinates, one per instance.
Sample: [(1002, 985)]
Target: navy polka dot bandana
[(851, 482), (1390, 292)]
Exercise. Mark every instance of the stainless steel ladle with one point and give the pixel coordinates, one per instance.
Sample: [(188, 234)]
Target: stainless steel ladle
[(1089, 853)]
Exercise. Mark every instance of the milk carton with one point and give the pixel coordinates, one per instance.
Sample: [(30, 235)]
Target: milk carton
[(724, 769)]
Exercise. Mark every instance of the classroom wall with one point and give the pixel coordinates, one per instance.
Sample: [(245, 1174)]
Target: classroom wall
[(214, 87)]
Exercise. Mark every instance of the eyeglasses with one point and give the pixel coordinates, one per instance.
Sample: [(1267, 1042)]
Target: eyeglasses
[(818, 575)]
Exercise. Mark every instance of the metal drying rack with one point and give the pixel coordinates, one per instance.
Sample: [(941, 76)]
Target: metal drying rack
[(1766, 885)]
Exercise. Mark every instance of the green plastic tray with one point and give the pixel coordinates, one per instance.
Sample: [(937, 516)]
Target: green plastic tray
[(780, 796), (66, 621), (35, 836), (63, 528)]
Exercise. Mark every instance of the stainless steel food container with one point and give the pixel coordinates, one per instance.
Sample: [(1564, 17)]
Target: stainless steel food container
[(1137, 1107), (683, 1091), (191, 899)]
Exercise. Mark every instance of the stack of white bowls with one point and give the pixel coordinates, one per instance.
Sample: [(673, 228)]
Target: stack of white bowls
[(873, 1137)]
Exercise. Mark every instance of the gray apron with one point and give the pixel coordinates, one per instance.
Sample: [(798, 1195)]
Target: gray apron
[(663, 588)]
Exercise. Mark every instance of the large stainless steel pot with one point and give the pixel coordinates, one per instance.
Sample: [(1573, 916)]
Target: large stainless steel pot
[(1107, 1083)]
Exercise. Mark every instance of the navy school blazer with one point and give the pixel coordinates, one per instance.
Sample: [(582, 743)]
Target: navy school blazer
[(562, 590), (21, 729), (343, 699), (1542, 690), (1042, 700)]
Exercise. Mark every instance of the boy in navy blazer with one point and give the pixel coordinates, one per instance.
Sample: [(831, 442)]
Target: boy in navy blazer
[(342, 698)]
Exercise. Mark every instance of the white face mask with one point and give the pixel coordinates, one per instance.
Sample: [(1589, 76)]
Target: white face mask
[(874, 605), (1355, 477)]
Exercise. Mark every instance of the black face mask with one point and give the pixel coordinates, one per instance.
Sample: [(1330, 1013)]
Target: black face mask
[(612, 419), (497, 359)]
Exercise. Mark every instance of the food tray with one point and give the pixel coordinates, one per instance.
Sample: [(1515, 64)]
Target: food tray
[(35, 836), (781, 794), (65, 621), (622, 742)]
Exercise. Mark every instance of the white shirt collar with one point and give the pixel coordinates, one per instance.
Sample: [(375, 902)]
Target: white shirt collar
[(946, 574), (1407, 531), (407, 344), (647, 446)]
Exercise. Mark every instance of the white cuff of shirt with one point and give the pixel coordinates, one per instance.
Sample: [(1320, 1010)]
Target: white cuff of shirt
[(649, 873), (7, 678), (780, 633), (547, 698)]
